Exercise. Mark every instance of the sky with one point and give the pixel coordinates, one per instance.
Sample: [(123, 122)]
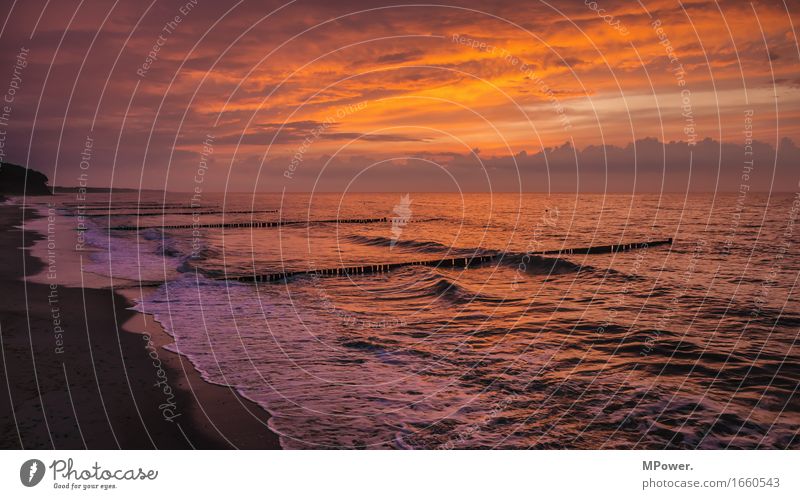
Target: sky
[(607, 96)]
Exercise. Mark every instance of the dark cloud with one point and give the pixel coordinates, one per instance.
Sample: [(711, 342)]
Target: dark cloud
[(647, 165), (308, 131), (398, 57)]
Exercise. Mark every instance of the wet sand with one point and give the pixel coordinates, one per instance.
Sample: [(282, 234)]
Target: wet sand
[(81, 370)]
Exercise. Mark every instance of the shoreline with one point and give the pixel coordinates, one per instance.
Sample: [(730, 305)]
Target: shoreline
[(81, 372)]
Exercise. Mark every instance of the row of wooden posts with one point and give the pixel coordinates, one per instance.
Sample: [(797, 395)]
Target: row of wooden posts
[(462, 262), (609, 248), (157, 213), (245, 225)]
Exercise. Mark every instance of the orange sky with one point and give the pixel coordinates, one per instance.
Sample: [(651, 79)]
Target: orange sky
[(375, 81)]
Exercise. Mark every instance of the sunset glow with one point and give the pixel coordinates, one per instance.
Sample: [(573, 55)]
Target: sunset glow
[(473, 81)]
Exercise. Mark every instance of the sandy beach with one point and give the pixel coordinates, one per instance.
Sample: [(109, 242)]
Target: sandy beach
[(82, 370)]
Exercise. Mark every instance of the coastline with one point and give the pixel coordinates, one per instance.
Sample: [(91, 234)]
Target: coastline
[(83, 370)]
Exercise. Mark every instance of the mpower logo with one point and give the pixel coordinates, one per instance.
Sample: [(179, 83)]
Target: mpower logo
[(31, 472)]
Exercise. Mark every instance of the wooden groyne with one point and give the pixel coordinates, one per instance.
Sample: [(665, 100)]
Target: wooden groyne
[(462, 262), (112, 206), (157, 213), (609, 248), (251, 225)]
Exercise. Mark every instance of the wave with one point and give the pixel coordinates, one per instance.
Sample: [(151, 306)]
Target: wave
[(528, 263), (422, 246), (441, 286), (541, 265)]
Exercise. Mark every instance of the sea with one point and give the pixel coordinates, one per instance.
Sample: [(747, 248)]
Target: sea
[(691, 344)]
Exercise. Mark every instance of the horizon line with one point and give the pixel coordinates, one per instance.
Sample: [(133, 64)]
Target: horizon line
[(136, 189)]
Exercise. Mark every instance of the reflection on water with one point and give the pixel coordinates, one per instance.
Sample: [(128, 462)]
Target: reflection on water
[(692, 345)]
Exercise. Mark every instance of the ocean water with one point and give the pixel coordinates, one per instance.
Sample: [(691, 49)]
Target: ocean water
[(689, 345)]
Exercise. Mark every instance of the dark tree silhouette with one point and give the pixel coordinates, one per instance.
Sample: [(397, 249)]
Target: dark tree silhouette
[(12, 180)]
